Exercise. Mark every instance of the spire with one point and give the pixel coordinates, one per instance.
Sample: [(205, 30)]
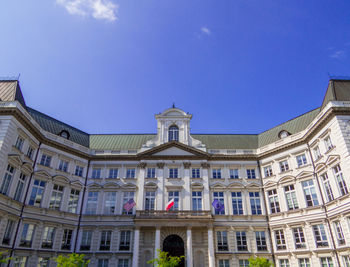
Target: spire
[(173, 104)]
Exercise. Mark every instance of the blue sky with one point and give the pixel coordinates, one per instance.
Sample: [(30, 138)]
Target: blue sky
[(239, 66)]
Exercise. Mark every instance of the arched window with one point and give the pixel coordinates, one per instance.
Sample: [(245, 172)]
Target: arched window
[(65, 134), (173, 133)]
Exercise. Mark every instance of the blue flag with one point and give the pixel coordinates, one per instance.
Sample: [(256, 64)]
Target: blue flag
[(218, 206)]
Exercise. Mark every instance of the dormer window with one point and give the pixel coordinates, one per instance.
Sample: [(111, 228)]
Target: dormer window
[(173, 133), (65, 134), (283, 134)]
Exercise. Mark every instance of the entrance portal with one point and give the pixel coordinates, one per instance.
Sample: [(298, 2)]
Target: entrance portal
[(174, 245)]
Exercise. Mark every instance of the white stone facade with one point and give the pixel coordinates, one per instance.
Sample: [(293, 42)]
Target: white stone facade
[(287, 200)]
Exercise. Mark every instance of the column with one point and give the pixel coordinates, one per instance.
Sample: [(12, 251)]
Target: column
[(160, 190), (157, 243), (135, 253), (189, 248), (206, 191), (187, 187), (141, 186), (211, 255)]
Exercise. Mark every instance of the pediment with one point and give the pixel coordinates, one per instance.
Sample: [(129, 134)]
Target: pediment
[(270, 184), (77, 183), (253, 185), (286, 179), (320, 167), (173, 149), (42, 173), (111, 185), (304, 174), (60, 178), (218, 185), (331, 159), (236, 185)]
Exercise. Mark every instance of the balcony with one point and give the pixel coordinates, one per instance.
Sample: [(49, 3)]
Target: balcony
[(183, 214)]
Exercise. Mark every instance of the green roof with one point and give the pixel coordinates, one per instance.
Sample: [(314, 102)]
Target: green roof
[(55, 126), (228, 141), (118, 141)]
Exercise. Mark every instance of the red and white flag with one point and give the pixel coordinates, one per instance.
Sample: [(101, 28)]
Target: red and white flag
[(169, 205)]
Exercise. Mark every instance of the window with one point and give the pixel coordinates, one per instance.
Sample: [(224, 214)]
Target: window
[(283, 134), (284, 166), (251, 174), (273, 200), (130, 173), (27, 235), (79, 171), (317, 153), (91, 204), (102, 263), (328, 143), (237, 203), (56, 197), (63, 166), (150, 199), (320, 235), (216, 173), (96, 173), (346, 260), (196, 173), (123, 263), (105, 243), (234, 174), (43, 262), (326, 262), (110, 198), (6, 240), (196, 200), (30, 152), (220, 197), (19, 143), (113, 173), (73, 200), (151, 173), (268, 171), (284, 263), (260, 241), (241, 239), (45, 160), (224, 263), (310, 193), (86, 240), (124, 242), (20, 186), (222, 240), (243, 263), (64, 134), (299, 239), (126, 197), (255, 202), (327, 187), (343, 190), (301, 160), (48, 236), (37, 193), (280, 240), (173, 133), (291, 197), (304, 262), (20, 261), (173, 173), (7, 179), (67, 239), (339, 233), (174, 195)]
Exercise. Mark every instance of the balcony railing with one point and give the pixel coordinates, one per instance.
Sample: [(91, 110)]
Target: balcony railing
[(183, 214)]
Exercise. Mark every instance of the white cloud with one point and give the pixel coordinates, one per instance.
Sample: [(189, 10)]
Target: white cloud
[(205, 30), (338, 54), (99, 9)]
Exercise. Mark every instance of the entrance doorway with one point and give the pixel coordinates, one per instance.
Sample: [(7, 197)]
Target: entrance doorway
[(174, 245)]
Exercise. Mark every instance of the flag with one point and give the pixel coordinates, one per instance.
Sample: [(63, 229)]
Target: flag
[(129, 205), (218, 206), (169, 204)]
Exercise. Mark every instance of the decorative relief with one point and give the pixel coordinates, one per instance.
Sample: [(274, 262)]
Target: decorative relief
[(187, 165), (142, 165), (160, 165), (205, 165)]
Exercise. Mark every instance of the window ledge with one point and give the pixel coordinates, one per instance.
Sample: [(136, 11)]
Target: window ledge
[(285, 172), (303, 166), (271, 176), (331, 149)]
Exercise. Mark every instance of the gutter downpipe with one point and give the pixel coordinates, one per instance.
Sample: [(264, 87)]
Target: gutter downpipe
[(323, 204), (23, 205)]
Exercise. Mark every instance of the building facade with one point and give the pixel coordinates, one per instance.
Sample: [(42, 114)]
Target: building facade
[(284, 192)]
